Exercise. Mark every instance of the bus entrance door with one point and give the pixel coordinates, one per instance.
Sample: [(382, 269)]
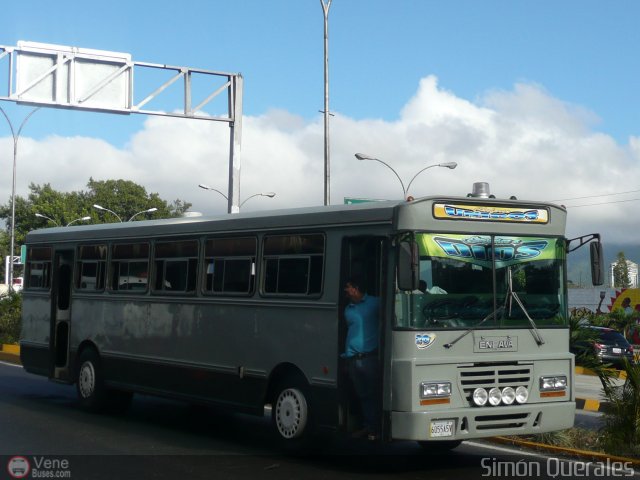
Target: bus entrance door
[(363, 259), (61, 315)]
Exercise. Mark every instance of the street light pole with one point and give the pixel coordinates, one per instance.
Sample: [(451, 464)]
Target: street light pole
[(362, 156), (99, 207), (450, 165), (266, 194), (149, 210), (39, 215), (16, 137), (81, 219), (327, 176)]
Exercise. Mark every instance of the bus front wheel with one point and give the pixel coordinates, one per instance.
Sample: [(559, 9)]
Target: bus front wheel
[(90, 384), (291, 413)]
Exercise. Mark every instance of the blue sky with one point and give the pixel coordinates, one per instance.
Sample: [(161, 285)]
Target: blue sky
[(566, 70)]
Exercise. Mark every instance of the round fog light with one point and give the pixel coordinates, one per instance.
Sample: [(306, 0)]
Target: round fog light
[(522, 394), (480, 397), (495, 396), (508, 395)]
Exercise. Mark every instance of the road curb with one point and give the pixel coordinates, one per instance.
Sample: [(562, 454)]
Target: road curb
[(10, 353), (565, 450)]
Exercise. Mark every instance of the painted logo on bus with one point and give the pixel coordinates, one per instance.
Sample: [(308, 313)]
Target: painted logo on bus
[(490, 213), (425, 340), (480, 250)]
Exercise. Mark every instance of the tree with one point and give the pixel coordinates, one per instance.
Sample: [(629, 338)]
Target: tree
[(124, 197), (621, 272)]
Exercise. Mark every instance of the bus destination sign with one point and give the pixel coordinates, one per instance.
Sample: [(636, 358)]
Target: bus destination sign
[(491, 213)]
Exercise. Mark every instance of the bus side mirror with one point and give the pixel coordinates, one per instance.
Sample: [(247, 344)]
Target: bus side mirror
[(408, 261), (597, 263)]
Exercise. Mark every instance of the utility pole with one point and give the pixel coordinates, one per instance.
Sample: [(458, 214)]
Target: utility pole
[(327, 176)]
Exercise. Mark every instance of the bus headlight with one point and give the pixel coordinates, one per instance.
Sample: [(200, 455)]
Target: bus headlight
[(435, 389), (558, 382), (508, 395), (522, 394), (480, 397), (495, 396)]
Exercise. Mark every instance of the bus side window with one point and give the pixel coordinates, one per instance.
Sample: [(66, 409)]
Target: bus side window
[(230, 266), (293, 264), (38, 268), (176, 266), (129, 267), (91, 267)]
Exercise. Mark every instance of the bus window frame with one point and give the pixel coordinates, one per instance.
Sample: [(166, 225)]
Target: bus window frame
[(265, 257), (208, 259)]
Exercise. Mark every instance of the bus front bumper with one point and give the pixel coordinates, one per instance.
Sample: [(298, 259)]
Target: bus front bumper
[(468, 423)]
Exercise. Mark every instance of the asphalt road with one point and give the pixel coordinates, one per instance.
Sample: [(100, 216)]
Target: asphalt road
[(156, 438)]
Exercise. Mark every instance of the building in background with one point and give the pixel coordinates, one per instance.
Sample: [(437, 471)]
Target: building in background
[(633, 273)]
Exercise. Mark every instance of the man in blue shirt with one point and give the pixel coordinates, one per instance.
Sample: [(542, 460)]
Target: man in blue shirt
[(361, 352)]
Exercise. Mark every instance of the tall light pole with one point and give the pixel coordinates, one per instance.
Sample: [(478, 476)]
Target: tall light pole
[(265, 194), (16, 137), (327, 176), (451, 165)]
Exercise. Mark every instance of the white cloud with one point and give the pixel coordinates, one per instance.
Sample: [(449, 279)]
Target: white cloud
[(524, 142)]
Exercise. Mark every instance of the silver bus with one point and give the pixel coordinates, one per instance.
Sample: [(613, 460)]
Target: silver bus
[(245, 311)]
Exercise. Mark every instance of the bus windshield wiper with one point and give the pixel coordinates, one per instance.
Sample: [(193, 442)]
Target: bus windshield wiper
[(508, 304), (492, 314)]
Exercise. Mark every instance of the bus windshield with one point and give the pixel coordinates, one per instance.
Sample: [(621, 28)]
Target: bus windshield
[(485, 281)]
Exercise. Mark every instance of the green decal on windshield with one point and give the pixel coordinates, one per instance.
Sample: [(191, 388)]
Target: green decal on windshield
[(478, 249)]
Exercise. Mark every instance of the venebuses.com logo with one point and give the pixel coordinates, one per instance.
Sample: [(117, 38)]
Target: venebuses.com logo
[(18, 467)]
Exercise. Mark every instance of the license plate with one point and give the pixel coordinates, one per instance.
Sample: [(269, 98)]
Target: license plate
[(617, 350), (441, 428)]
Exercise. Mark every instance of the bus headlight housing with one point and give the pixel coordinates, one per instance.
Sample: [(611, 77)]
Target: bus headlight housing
[(435, 389), (480, 397), (495, 396), (522, 394), (555, 383), (508, 395)]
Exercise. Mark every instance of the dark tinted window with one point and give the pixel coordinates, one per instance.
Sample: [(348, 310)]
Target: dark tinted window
[(176, 266), (38, 268), (91, 267), (130, 267), (230, 265), (293, 264)]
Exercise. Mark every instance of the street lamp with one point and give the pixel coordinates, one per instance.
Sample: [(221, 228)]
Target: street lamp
[(16, 137), (39, 215), (450, 165), (81, 219), (150, 210), (265, 194), (99, 207)]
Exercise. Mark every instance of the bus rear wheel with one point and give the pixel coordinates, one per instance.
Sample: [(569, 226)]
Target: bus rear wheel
[(291, 413), (90, 384)]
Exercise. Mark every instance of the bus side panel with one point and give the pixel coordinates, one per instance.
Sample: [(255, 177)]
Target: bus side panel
[(212, 350), (34, 336)]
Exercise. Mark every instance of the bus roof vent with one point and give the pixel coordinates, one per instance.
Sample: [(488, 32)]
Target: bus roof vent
[(480, 190)]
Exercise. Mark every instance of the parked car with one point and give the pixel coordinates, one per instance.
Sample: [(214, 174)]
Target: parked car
[(610, 347)]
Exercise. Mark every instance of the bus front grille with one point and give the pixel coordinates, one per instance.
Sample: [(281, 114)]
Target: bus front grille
[(490, 375), (497, 422)]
